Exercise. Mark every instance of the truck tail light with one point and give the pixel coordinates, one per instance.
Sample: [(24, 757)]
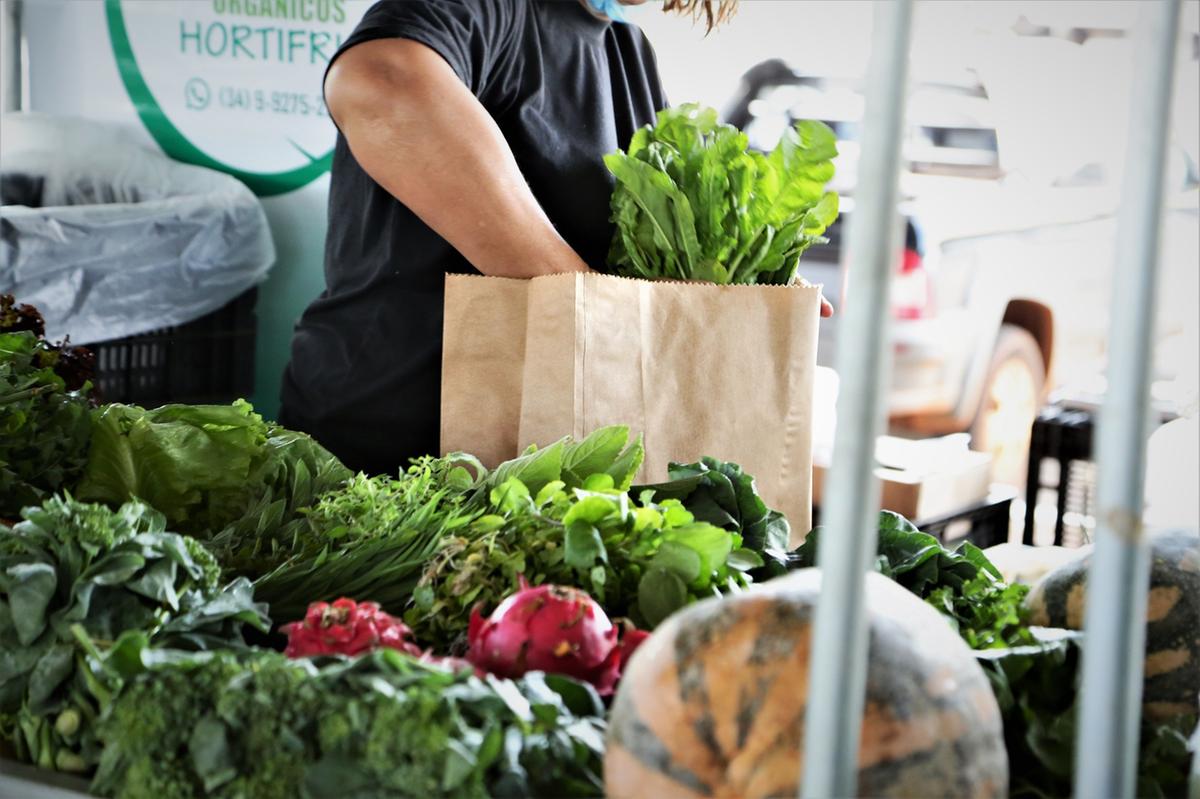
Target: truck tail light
[(911, 295)]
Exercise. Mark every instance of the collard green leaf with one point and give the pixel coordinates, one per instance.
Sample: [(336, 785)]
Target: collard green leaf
[(52, 669), (27, 591)]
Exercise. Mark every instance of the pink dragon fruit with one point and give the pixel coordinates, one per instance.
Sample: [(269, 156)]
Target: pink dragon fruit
[(346, 628), (553, 629)]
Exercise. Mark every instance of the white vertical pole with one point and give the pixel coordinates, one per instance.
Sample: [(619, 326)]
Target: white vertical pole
[(835, 697), (1106, 747), (10, 55)]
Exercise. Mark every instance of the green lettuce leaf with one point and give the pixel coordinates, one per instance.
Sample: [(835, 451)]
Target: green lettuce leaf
[(217, 472)]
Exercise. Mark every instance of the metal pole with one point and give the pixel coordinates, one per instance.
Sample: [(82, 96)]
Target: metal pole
[(10, 54), (1106, 747), (835, 697)]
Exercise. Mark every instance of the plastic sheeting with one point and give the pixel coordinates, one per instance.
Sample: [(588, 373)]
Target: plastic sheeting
[(109, 238)]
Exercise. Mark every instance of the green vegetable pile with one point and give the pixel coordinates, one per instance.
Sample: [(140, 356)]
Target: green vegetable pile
[(74, 578), (639, 559), (961, 583), (374, 536), (1037, 688), (370, 538), (693, 203), (217, 472), (384, 724), (1034, 671), (723, 495), (44, 427), (448, 534)]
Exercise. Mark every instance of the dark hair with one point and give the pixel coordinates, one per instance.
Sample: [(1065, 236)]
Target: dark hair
[(715, 11)]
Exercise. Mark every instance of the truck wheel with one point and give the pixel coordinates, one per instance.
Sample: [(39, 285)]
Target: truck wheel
[(1012, 395)]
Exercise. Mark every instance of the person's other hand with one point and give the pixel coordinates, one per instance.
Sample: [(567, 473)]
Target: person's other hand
[(826, 308)]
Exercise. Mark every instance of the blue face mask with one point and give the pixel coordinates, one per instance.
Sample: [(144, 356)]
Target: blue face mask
[(616, 10)]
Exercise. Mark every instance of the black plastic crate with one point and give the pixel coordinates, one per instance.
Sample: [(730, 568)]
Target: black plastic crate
[(1060, 462), (208, 360)]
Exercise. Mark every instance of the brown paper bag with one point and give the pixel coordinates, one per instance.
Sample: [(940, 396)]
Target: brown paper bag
[(483, 358), (699, 369)]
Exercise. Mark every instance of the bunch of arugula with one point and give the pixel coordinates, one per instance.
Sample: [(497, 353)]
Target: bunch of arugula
[(384, 724), (73, 572), (692, 202), (44, 424)]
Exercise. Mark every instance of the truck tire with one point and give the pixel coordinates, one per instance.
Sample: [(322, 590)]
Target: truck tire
[(1010, 400)]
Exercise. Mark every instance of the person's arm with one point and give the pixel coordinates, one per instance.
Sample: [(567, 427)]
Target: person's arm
[(421, 134)]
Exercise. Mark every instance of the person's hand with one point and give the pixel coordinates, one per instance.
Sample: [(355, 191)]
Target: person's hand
[(826, 308)]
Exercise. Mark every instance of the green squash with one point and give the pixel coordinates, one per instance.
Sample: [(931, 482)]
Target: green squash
[(1172, 666)]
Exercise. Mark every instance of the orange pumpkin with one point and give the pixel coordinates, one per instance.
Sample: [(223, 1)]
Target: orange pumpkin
[(712, 705)]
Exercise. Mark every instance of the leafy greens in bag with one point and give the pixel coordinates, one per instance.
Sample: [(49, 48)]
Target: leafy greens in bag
[(693, 203)]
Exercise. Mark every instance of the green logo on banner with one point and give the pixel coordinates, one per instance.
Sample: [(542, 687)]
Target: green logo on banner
[(247, 44)]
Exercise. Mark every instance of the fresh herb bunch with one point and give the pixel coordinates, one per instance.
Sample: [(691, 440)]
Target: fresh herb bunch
[(382, 724), (692, 202), (370, 538), (218, 472), (373, 537), (73, 571), (641, 560), (44, 425)]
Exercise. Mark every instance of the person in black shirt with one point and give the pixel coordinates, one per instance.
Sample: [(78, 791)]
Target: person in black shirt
[(470, 139)]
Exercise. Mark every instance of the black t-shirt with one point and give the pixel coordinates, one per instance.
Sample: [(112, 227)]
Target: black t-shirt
[(565, 88)]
